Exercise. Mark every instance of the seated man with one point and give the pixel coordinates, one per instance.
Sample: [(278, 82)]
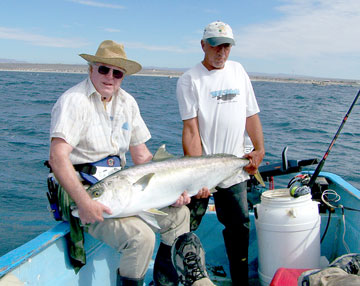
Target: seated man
[(89, 122)]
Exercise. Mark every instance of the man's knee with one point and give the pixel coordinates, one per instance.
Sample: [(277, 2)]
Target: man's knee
[(140, 237), (124, 233), (183, 215), (176, 223), (144, 236)]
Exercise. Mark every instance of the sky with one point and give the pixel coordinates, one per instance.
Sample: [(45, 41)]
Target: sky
[(319, 38)]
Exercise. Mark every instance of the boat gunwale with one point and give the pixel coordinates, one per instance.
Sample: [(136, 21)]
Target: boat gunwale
[(21, 254), (336, 179)]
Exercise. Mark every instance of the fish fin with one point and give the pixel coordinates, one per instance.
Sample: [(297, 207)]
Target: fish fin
[(213, 190), (161, 154), (155, 211), (75, 212), (143, 181), (259, 178), (149, 218)]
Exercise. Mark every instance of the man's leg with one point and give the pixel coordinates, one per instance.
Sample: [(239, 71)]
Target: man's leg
[(173, 225), (133, 238), (124, 281), (232, 211), (164, 272)]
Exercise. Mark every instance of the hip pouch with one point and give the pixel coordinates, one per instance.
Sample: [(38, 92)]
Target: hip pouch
[(89, 174)]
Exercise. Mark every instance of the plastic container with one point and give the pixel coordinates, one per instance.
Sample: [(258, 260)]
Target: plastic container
[(288, 233)]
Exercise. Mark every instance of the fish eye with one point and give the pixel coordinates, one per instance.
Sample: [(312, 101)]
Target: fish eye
[(96, 194)]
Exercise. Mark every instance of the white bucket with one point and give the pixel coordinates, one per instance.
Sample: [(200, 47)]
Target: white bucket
[(288, 233)]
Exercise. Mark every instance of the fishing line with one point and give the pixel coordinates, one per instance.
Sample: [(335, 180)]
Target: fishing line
[(329, 197), (322, 162)]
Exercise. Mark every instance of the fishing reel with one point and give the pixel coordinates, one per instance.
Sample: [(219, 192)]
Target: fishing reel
[(298, 185)]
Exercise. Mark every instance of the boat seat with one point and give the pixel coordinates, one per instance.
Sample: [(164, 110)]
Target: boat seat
[(286, 277)]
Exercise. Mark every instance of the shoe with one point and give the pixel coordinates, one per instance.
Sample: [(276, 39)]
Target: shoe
[(350, 263), (188, 258)]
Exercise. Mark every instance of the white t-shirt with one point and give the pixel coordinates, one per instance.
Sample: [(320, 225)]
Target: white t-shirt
[(221, 99), (79, 117)]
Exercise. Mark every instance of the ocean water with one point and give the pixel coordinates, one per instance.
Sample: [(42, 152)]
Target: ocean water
[(303, 117)]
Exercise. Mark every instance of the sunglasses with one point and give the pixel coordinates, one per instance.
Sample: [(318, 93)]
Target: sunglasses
[(118, 74)]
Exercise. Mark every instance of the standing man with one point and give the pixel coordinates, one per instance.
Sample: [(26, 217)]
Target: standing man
[(217, 105), (90, 122)]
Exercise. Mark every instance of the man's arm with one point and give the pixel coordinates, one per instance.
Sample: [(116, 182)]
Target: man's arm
[(191, 138), (191, 142), (254, 130), (140, 154), (89, 210)]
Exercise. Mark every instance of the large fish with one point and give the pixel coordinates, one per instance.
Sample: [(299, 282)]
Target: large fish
[(143, 189)]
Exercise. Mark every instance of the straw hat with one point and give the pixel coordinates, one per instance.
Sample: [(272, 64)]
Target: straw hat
[(112, 53)]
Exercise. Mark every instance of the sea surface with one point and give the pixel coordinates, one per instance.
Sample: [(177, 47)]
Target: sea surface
[(303, 117)]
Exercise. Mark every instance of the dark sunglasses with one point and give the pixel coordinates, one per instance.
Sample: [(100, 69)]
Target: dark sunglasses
[(105, 70)]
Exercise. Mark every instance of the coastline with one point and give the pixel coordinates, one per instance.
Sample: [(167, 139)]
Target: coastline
[(82, 69)]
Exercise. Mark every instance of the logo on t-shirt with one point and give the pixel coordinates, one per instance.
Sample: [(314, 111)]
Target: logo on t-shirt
[(227, 95)]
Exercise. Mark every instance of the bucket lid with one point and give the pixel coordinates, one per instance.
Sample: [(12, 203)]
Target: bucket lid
[(282, 195)]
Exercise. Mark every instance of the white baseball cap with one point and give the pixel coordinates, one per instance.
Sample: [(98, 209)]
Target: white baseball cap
[(218, 33)]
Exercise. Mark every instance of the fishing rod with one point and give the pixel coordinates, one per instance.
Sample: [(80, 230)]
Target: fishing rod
[(322, 162)]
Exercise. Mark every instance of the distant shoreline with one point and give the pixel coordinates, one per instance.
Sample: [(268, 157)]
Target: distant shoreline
[(83, 69)]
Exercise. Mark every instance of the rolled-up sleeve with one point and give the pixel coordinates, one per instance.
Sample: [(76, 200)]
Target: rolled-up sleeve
[(139, 131)]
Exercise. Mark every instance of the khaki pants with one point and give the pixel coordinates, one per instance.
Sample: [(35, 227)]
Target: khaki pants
[(135, 239)]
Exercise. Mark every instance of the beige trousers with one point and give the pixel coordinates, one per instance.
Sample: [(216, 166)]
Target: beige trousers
[(135, 239)]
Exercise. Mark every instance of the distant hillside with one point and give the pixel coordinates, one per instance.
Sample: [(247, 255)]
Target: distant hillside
[(11, 65), (65, 68), (10, 61), (27, 67)]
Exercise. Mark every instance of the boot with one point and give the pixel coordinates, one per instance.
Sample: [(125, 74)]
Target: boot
[(164, 272), (124, 281)]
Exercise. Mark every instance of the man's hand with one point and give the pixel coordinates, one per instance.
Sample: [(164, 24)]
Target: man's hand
[(255, 158), (91, 211), (203, 193), (184, 199)]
